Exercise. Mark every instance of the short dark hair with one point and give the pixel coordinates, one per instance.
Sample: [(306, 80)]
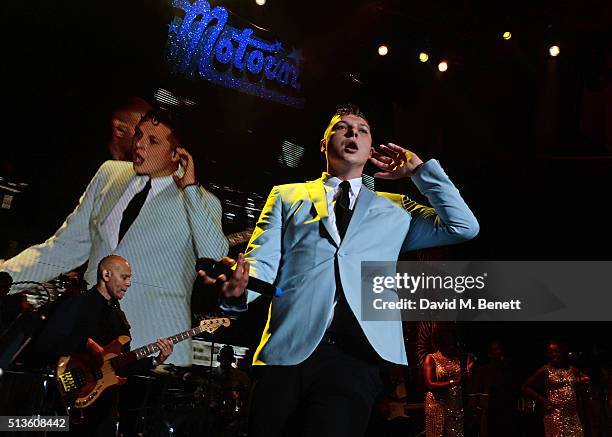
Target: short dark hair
[(168, 118), (349, 109), (342, 110)]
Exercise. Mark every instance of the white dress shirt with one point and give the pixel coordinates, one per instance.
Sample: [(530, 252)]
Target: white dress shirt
[(332, 190), (113, 221)]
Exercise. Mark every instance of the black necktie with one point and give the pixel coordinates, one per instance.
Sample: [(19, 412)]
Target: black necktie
[(342, 209), (344, 325), (133, 209)]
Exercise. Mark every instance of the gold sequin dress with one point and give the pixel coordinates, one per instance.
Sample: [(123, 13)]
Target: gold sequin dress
[(562, 420), (444, 408)]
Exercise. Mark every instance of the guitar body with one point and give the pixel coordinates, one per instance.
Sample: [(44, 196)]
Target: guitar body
[(84, 376)]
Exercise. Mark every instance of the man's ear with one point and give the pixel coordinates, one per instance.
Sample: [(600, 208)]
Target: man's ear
[(106, 274), (175, 156)]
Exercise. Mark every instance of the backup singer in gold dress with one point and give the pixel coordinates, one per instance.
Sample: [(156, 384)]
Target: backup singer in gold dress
[(559, 381), (443, 400)]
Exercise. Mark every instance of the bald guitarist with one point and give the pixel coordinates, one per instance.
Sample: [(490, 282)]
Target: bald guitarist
[(96, 314)]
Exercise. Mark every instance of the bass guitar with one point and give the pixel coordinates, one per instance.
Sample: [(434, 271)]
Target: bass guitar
[(84, 376)]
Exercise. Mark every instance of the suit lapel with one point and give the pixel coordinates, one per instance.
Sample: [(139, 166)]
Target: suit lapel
[(165, 200), (361, 207), (318, 197), (115, 191)]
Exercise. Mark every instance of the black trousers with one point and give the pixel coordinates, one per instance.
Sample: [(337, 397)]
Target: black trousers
[(329, 394)]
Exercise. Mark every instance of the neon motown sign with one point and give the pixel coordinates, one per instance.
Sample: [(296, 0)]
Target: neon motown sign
[(201, 45)]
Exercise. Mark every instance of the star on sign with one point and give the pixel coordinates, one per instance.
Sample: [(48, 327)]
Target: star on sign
[(173, 26), (278, 47), (296, 55)]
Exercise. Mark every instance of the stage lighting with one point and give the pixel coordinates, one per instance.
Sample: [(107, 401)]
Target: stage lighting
[(291, 154), (368, 181), (507, 35), (260, 2), (554, 51), (443, 66), (423, 57), (167, 99), (383, 50)]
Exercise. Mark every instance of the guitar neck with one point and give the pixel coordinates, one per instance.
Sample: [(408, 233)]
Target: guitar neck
[(145, 351)]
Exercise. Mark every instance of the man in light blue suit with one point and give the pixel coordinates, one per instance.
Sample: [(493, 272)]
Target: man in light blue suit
[(151, 212), (316, 357)]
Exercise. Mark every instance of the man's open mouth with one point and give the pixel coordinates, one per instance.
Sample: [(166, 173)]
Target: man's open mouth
[(351, 146)]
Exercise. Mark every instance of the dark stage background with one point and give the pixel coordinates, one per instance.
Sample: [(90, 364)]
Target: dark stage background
[(526, 137)]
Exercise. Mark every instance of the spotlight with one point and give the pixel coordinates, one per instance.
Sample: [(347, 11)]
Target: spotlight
[(443, 66), (507, 35), (554, 51), (423, 57), (383, 50), (260, 2)]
